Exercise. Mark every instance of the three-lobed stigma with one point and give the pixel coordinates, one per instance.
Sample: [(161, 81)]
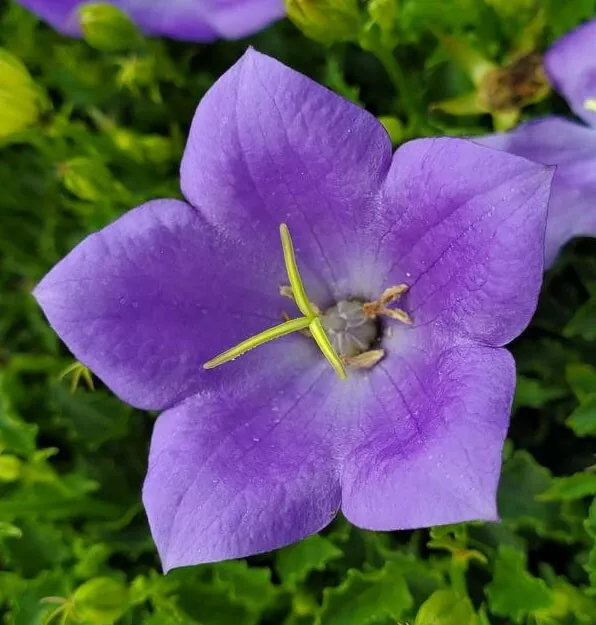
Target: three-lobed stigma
[(311, 320), (346, 333)]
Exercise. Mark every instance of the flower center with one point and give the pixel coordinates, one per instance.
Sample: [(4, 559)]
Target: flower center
[(590, 105), (344, 333), (349, 329)]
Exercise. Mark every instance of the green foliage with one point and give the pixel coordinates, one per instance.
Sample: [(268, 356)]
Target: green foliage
[(90, 128), (368, 597), (514, 592), (444, 607)]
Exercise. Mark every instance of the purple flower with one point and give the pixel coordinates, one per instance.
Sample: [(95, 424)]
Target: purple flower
[(571, 67), (189, 20), (265, 450)]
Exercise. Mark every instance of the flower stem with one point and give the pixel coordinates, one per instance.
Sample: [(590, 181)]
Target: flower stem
[(401, 84), (457, 574)]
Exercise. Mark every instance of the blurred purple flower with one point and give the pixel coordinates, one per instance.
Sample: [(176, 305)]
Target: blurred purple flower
[(571, 67), (189, 20), (265, 450)]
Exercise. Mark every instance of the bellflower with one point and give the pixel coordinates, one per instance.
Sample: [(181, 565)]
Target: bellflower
[(571, 67), (419, 266), (188, 20)]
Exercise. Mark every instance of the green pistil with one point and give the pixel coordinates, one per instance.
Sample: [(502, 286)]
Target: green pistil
[(590, 105), (310, 320)]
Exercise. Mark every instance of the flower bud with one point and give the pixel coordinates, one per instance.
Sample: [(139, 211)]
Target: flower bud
[(10, 468), (107, 28), (85, 178), (21, 100), (326, 21)]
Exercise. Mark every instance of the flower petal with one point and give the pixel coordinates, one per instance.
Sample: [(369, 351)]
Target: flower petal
[(463, 226), (150, 298), (572, 148), (249, 467), (233, 19), (571, 66), (57, 13), (430, 448), (268, 145), (188, 20)]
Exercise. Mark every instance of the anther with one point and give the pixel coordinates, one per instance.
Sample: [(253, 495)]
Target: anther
[(380, 306), (366, 360)]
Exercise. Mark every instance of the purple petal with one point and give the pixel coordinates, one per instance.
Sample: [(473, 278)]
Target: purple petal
[(57, 13), (249, 467), (572, 148), (150, 298), (464, 226), (188, 20), (571, 66), (268, 145), (430, 444), (233, 19)]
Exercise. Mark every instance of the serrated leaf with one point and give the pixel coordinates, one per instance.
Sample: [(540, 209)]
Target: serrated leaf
[(583, 322), (294, 563), (583, 419), (515, 593), (444, 607), (101, 601), (569, 488), (28, 607), (92, 417), (522, 481), (582, 380), (62, 499), (534, 393), (15, 435), (249, 586), (570, 603), (363, 598), (590, 527), (209, 605)]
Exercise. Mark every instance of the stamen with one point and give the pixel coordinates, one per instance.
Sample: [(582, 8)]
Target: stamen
[(287, 327), (366, 360), (590, 105), (379, 306), (286, 291)]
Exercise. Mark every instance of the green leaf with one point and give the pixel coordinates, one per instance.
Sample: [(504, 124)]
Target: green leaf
[(249, 586), (583, 419), (582, 380), (522, 481), (514, 592), (294, 563), (62, 499), (29, 607), (534, 393), (363, 598), (583, 322), (41, 546), (15, 435), (91, 417), (590, 527), (569, 488), (444, 607)]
